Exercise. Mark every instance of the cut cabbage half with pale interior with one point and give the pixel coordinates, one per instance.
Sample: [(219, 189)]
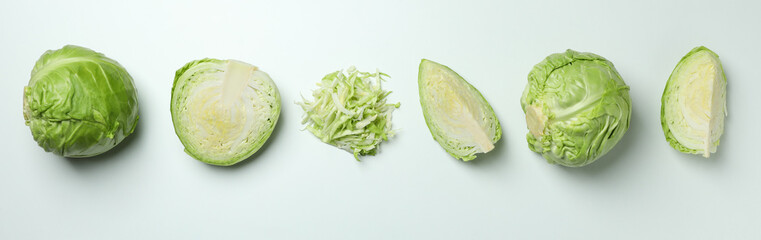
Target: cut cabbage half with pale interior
[(223, 110), (694, 103), (458, 116)]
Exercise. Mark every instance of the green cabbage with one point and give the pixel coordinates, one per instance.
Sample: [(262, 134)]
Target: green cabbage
[(223, 110), (459, 118), (79, 103), (694, 103), (350, 112), (577, 108)]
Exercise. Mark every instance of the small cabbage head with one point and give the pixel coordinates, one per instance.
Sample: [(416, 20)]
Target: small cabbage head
[(223, 110), (458, 116), (577, 108), (693, 105), (79, 103)]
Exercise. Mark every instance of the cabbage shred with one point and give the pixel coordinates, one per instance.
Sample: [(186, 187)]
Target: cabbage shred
[(350, 111)]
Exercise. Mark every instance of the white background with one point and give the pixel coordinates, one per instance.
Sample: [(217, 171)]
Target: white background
[(297, 187)]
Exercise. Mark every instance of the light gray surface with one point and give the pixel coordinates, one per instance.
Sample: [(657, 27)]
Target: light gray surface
[(300, 188)]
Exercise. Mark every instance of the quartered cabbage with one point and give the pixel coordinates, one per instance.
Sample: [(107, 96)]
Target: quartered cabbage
[(350, 112), (79, 103), (223, 110), (577, 108), (693, 105), (456, 113)]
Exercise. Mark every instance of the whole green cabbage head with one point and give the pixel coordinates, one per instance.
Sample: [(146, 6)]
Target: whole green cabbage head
[(577, 108), (223, 110), (79, 103)]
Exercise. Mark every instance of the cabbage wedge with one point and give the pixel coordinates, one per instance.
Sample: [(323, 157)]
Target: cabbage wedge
[(693, 106), (458, 116)]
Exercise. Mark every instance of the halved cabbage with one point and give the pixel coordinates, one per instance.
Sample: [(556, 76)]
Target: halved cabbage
[(223, 110), (694, 103), (456, 113)]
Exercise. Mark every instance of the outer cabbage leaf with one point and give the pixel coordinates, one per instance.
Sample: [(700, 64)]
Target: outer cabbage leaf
[(693, 106), (79, 103), (458, 116), (223, 110), (577, 108)]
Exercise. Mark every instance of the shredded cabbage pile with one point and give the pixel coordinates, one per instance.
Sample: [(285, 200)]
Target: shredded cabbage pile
[(350, 111)]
